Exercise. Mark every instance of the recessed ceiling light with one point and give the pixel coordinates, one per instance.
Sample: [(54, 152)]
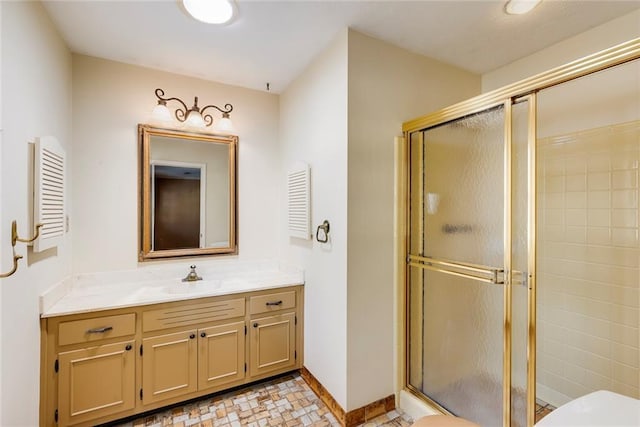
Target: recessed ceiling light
[(520, 7), (210, 11)]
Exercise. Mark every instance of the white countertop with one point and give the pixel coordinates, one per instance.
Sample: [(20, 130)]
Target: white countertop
[(156, 284)]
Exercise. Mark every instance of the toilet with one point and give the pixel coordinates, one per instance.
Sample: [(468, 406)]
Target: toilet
[(598, 409)]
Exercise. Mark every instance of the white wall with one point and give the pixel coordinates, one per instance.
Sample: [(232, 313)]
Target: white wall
[(340, 116), (36, 84), (609, 34), (109, 100), (387, 86), (313, 129)]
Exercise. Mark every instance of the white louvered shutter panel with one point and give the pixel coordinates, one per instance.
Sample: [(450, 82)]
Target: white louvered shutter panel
[(298, 187), (50, 164)]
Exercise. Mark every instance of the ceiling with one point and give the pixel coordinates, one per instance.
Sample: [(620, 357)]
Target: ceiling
[(273, 41)]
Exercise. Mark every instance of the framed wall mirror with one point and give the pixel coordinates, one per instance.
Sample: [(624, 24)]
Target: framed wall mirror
[(187, 193)]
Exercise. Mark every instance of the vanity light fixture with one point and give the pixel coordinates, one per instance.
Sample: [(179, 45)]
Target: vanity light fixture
[(193, 118), (210, 11), (520, 7)]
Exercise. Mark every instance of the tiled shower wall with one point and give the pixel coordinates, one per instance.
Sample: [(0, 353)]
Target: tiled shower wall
[(588, 263)]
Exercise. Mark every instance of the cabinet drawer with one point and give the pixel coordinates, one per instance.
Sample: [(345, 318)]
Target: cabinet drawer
[(97, 328), (272, 302), (191, 314)]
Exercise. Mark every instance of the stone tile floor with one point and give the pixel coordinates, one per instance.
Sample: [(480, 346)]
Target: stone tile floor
[(285, 401)]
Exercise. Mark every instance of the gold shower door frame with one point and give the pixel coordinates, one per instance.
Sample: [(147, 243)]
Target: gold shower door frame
[(523, 91)]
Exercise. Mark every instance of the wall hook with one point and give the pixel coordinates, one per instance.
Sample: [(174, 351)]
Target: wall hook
[(325, 228), (15, 266), (14, 234)]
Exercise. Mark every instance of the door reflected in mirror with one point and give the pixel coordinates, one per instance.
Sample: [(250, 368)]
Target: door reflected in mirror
[(188, 203), (177, 209)]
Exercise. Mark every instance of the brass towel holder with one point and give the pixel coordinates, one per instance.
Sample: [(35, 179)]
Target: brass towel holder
[(324, 227), (15, 239)]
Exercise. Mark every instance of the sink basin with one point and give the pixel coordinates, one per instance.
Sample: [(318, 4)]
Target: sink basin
[(193, 287)]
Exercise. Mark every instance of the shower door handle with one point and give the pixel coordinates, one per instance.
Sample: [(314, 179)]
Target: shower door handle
[(519, 278), (482, 273)]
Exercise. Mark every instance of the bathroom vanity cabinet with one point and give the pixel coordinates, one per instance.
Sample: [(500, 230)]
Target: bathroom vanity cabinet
[(111, 364)]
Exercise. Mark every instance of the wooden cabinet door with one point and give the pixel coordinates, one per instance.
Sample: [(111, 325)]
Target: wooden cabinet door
[(169, 366), (221, 355), (95, 382), (273, 344)]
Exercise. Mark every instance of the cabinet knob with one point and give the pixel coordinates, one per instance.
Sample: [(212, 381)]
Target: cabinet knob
[(128, 347), (203, 335), (192, 336), (255, 325)]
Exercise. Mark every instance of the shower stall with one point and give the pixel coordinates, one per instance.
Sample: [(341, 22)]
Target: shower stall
[(519, 243)]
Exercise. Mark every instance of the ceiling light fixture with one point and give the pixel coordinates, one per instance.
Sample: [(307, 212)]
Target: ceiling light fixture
[(193, 118), (520, 7), (210, 11)]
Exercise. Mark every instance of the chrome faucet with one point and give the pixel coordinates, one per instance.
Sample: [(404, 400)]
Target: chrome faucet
[(192, 276)]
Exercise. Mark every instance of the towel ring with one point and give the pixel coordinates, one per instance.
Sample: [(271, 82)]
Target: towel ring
[(325, 228)]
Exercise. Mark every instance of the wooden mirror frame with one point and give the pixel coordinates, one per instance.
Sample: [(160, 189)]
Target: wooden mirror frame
[(145, 132)]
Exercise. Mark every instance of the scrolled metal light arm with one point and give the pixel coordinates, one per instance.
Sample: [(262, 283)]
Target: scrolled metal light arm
[(225, 112), (182, 113)]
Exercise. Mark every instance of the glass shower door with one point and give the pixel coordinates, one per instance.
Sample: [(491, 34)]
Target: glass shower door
[(522, 242), (457, 258)]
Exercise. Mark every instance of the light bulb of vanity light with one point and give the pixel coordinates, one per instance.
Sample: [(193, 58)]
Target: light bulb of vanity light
[(194, 121), (210, 11), (160, 115), (224, 125), (520, 7)]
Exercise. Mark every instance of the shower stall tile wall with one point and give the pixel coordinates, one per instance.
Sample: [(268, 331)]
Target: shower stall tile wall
[(589, 259)]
